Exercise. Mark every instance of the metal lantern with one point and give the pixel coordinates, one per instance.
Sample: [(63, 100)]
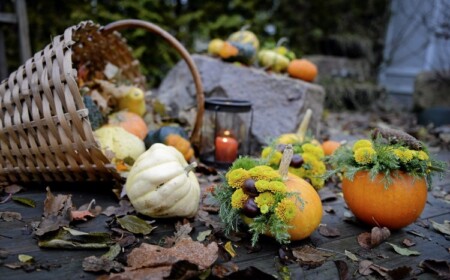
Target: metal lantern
[(226, 131)]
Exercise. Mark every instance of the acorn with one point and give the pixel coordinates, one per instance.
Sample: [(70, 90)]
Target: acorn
[(296, 161), (250, 208), (249, 188)]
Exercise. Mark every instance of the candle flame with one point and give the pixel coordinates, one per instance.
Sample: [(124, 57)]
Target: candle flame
[(225, 140), (227, 133)]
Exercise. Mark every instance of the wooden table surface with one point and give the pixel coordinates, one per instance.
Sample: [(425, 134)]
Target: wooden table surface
[(16, 238)]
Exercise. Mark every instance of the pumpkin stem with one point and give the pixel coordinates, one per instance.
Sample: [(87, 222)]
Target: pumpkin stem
[(281, 41), (190, 167), (245, 27), (301, 131), (285, 161)]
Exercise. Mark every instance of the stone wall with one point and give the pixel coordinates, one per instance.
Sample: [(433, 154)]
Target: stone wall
[(279, 102)]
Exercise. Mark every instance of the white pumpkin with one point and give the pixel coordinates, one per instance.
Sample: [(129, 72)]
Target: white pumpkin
[(161, 185)]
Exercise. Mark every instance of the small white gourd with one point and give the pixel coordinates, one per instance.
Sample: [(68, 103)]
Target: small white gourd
[(161, 185)]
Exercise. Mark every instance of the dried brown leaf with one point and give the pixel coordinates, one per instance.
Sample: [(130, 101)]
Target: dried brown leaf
[(342, 268), (364, 267), (148, 255), (364, 240), (96, 264), (182, 231), (209, 220), (81, 215), (308, 255), (12, 189), (408, 242), (224, 269), (378, 235), (374, 238), (328, 231), (10, 216), (402, 272), (57, 213), (124, 208), (439, 267)]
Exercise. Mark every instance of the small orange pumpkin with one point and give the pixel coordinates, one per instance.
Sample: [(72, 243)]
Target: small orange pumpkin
[(181, 144), (330, 146), (308, 217), (302, 69), (394, 207), (308, 214), (129, 121)]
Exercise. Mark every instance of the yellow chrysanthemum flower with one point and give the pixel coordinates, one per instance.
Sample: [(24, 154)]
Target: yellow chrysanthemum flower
[(237, 177), (275, 156), (363, 143), (285, 210), (422, 155), (265, 198), (264, 209), (404, 155), (317, 183), (262, 185), (277, 187), (238, 199), (263, 172), (313, 149), (364, 155)]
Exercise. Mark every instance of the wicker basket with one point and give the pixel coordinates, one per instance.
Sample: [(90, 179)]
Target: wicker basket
[(45, 134)]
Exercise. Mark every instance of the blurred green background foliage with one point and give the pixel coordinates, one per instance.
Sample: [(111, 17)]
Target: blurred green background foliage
[(351, 28)]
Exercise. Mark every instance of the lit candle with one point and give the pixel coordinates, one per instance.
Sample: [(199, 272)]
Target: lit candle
[(226, 148)]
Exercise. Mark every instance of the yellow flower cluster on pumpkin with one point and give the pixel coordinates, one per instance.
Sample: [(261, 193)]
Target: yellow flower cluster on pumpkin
[(238, 199), (365, 155), (275, 156), (313, 149), (404, 155), (363, 143), (271, 186), (312, 169), (263, 172), (285, 210), (422, 155), (237, 177), (265, 198)]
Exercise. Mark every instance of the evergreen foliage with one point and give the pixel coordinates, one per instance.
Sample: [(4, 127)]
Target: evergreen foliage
[(306, 24)]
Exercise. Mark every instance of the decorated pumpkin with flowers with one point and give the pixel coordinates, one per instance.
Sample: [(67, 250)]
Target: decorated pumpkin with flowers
[(386, 178), (271, 202), (308, 161)]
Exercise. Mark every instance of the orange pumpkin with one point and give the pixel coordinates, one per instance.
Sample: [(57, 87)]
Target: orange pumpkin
[(181, 144), (308, 218), (129, 121), (302, 69), (330, 146), (394, 207)]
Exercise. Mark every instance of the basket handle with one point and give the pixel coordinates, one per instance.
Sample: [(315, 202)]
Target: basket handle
[(134, 23)]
